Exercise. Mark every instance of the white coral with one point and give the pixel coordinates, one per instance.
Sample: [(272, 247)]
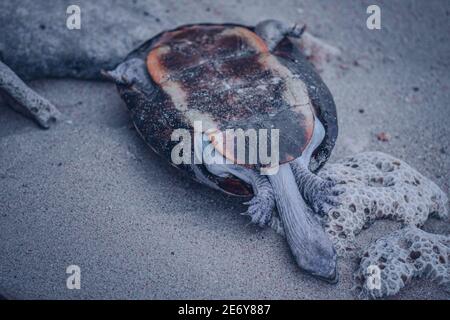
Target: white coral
[(378, 186), (405, 254)]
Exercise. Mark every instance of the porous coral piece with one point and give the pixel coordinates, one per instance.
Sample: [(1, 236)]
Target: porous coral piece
[(403, 255), (378, 186)]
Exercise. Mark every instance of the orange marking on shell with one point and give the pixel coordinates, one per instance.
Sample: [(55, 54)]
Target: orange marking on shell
[(159, 73), (154, 66), (251, 37), (295, 93)]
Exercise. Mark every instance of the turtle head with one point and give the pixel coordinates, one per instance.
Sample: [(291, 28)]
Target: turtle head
[(322, 263)]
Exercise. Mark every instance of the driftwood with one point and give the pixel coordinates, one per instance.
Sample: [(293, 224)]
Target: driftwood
[(23, 99)]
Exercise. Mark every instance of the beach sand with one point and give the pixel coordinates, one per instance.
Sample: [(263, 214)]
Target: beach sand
[(89, 191)]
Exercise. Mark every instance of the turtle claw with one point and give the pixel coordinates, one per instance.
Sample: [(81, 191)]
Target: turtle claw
[(325, 207), (276, 224), (260, 210), (261, 206), (322, 197)]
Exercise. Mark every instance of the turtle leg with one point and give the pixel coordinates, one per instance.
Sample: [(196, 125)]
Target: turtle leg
[(25, 100), (273, 31), (261, 206), (319, 193), (316, 50)]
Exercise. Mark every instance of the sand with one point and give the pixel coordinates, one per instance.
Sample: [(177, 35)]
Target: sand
[(89, 192)]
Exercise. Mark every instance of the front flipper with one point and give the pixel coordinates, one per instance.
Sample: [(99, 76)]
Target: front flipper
[(261, 206), (319, 193), (30, 103)]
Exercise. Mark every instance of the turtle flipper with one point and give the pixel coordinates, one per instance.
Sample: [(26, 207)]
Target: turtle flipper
[(319, 193), (25, 100), (261, 206)]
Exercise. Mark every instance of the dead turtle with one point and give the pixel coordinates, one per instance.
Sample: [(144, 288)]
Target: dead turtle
[(231, 76)]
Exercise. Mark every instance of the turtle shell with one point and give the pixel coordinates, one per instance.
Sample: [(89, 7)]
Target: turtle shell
[(225, 76)]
